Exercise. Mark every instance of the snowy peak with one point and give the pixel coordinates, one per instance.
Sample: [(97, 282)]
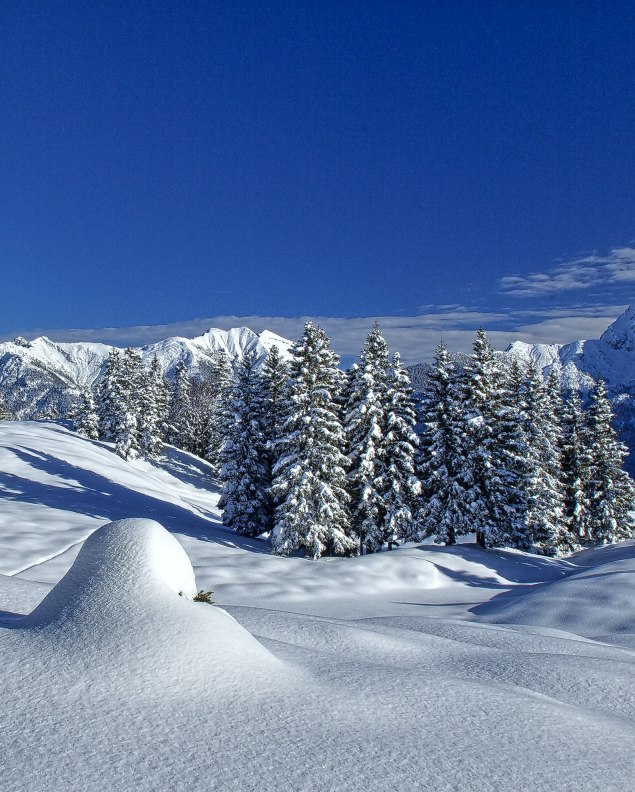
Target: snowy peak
[(541, 355), (41, 378), (611, 357), (621, 334)]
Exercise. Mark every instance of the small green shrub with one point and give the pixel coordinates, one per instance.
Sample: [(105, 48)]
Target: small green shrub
[(204, 596)]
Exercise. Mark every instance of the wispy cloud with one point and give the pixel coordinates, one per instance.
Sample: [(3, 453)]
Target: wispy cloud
[(580, 273), (415, 337)]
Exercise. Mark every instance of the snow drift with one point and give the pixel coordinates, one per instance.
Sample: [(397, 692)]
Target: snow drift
[(126, 603)]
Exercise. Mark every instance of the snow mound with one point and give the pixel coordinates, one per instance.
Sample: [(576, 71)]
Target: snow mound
[(124, 607), (121, 567)]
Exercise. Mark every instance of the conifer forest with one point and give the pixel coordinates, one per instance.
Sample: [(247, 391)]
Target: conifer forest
[(330, 462)]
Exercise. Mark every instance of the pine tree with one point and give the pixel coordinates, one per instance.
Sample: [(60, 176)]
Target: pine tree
[(611, 490), (274, 378), (399, 486), (496, 458), (215, 428), (310, 474), (244, 473), (576, 462), (543, 490), (110, 396), (446, 481), (365, 428), (152, 411), (5, 414), (86, 420), (180, 419), (126, 424)]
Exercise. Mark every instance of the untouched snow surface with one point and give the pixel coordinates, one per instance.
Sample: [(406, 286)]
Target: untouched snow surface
[(422, 669)]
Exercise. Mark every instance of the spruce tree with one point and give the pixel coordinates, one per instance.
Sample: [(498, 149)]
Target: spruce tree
[(110, 395), (447, 482), (543, 489), (86, 420), (5, 414), (365, 428), (576, 462), (611, 490), (180, 430), (496, 458), (126, 426), (244, 473), (274, 376), (152, 409), (217, 419), (310, 474), (398, 484)]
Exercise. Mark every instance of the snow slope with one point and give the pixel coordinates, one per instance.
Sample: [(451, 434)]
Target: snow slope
[(389, 672), (41, 374)]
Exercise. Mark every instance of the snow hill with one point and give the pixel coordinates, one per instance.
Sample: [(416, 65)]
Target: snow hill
[(42, 375), (421, 669)]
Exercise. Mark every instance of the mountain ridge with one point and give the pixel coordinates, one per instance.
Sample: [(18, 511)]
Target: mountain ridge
[(41, 378)]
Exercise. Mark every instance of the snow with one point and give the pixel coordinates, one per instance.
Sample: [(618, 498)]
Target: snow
[(426, 668)]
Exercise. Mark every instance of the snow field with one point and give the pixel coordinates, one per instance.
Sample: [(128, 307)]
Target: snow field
[(420, 669)]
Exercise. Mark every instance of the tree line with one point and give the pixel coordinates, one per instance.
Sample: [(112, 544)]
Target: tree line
[(339, 463)]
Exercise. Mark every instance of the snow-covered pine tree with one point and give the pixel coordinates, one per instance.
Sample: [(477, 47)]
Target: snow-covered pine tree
[(310, 474), (244, 473), (152, 408), (126, 427), (109, 395), (5, 414), (480, 396), (575, 463), (399, 486), (180, 420), (543, 489), (274, 375), (215, 429), (508, 471), (365, 427), (611, 490), (446, 481), (86, 420), (496, 458)]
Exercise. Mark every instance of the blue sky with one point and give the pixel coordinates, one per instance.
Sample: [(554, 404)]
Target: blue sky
[(438, 164)]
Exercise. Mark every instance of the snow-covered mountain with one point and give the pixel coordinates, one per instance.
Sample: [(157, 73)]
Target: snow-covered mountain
[(611, 357), (43, 376)]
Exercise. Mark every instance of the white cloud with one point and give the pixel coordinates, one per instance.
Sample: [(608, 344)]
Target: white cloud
[(580, 273), (415, 337)]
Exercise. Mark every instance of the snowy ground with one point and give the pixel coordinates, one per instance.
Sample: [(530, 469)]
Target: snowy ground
[(421, 669)]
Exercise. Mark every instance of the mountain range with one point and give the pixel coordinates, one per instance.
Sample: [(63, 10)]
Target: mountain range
[(42, 378)]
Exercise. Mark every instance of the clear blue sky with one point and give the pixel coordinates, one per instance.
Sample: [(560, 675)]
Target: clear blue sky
[(162, 161)]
